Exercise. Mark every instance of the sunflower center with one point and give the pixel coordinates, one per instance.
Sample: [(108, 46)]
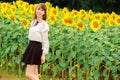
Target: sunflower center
[(65, 20), (24, 22), (12, 17), (13, 9), (80, 24), (52, 18), (118, 20), (95, 24), (54, 12)]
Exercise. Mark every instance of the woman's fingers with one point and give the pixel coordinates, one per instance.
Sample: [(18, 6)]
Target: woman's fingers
[(42, 59)]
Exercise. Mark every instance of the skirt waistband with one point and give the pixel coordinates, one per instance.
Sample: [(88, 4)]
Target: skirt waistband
[(35, 42)]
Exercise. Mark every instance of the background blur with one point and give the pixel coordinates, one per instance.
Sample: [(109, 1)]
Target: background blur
[(95, 5)]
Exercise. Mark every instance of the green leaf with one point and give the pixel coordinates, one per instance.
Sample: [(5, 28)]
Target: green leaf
[(13, 49), (18, 59), (62, 65), (48, 56), (114, 74), (71, 55), (86, 65), (118, 68), (110, 58), (71, 69), (58, 52), (2, 54), (7, 50), (105, 73), (96, 74), (45, 67), (55, 71), (96, 60)]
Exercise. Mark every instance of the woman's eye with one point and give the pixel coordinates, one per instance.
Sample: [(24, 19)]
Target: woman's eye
[(38, 9)]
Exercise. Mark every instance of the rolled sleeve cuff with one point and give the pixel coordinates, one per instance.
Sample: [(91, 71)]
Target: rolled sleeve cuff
[(45, 51)]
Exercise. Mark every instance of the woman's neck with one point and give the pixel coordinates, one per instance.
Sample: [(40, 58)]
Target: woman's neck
[(39, 20)]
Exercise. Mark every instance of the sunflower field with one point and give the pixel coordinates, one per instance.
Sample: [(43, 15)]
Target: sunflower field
[(84, 45)]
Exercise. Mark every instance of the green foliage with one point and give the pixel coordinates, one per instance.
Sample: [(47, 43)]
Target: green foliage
[(12, 44), (77, 53)]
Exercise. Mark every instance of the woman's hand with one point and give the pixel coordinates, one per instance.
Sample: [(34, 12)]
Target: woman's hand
[(43, 58)]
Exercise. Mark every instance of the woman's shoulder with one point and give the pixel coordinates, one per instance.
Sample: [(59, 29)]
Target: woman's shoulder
[(44, 22), (44, 26)]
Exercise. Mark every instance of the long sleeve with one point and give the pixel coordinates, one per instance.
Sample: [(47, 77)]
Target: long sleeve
[(45, 42)]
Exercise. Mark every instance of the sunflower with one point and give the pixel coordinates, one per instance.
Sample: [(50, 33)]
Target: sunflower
[(19, 3), (110, 22), (64, 10), (4, 13), (12, 17), (80, 25), (98, 16), (117, 20), (90, 14), (113, 15), (47, 4), (74, 13), (13, 9), (67, 21), (32, 8), (25, 6), (95, 25), (4, 5), (82, 13), (70, 22), (54, 11), (106, 16), (52, 18), (25, 23)]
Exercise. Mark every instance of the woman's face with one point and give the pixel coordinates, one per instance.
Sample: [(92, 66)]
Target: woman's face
[(39, 12)]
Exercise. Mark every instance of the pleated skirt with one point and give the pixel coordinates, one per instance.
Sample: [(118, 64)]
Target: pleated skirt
[(32, 54)]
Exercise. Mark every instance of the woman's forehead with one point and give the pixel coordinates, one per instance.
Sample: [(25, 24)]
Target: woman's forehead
[(39, 6)]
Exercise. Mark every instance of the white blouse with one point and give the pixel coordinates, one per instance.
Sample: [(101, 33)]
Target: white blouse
[(39, 33)]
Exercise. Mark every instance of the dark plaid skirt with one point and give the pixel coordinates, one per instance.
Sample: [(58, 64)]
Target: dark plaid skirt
[(32, 54)]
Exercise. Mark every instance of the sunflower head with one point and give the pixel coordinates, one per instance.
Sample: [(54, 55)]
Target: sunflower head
[(74, 13), (32, 8), (54, 11), (4, 13), (25, 23), (117, 20), (95, 25), (65, 10), (47, 4), (4, 5), (80, 25), (67, 21), (113, 15), (13, 9), (82, 13), (19, 3), (90, 14), (110, 22), (52, 18), (98, 16)]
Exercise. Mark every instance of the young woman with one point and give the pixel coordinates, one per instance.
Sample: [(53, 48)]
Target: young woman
[(38, 46)]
